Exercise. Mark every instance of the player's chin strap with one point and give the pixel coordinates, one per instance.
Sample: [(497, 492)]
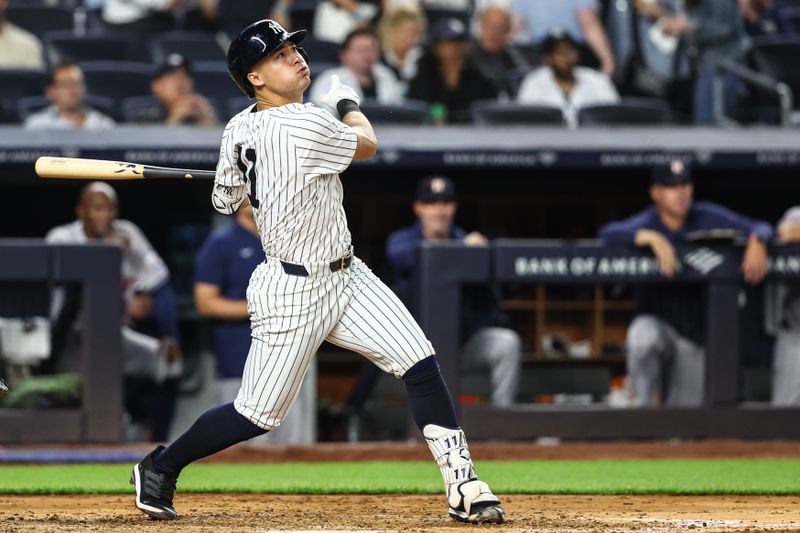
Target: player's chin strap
[(450, 450)]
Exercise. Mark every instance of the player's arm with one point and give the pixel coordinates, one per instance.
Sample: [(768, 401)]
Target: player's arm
[(367, 142), (345, 100), (212, 304), (229, 190)]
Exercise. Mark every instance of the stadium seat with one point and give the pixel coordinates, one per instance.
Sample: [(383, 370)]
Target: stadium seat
[(234, 105), (515, 76), (193, 45), (628, 111), (409, 112), (789, 18), (16, 84), (39, 20), (492, 112), (65, 45), (320, 51), (117, 79), (777, 58), (212, 80), (31, 104)]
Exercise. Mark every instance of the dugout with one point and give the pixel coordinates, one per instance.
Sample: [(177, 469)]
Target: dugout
[(513, 182)]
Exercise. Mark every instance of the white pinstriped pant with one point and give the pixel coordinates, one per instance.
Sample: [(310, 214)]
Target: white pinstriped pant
[(290, 317)]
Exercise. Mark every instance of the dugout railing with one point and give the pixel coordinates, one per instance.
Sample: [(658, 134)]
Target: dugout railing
[(442, 270), (96, 269)]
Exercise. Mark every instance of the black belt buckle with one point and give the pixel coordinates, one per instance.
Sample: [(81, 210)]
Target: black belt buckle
[(342, 263)]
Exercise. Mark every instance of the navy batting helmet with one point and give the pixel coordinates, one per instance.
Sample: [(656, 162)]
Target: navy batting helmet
[(253, 44)]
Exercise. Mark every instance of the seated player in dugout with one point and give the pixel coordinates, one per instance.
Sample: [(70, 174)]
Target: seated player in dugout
[(485, 341), (223, 267), (286, 156), (177, 103), (666, 341), (151, 356)]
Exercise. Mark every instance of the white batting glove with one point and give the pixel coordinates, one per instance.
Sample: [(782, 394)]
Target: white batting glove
[(338, 91)]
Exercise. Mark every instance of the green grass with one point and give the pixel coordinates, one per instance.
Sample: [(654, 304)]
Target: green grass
[(667, 476)]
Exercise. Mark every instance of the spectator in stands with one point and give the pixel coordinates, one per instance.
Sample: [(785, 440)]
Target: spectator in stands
[(492, 51), (786, 365), (401, 30), (579, 18), (222, 271), (177, 103), (709, 30), (151, 353), (18, 48), (562, 83), (140, 18), (665, 341), (445, 76), (233, 15), (67, 94), (361, 70), (335, 19)]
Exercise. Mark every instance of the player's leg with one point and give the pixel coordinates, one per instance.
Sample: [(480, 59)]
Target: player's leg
[(650, 347), (377, 325), (279, 355), (500, 350), (786, 368), (687, 376)]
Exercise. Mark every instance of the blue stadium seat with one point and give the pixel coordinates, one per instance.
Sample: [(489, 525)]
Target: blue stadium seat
[(117, 79), (16, 84), (193, 45), (409, 112), (212, 80), (236, 104), (777, 58), (65, 45), (629, 111), (39, 20), (493, 112), (320, 51)]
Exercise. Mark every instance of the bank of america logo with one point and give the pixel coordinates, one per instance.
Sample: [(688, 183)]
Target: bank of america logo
[(704, 260)]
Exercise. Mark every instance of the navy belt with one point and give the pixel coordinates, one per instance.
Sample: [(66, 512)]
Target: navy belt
[(299, 270)]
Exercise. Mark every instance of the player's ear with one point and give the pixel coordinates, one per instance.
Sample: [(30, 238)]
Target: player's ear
[(255, 79)]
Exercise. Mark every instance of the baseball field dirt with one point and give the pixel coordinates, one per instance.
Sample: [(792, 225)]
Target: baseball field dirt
[(266, 512)]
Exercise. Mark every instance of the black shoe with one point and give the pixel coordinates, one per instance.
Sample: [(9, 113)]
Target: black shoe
[(154, 490)]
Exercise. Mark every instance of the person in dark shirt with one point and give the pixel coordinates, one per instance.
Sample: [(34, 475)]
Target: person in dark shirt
[(492, 51), (445, 76), (223, 266), (175, 102), (665, 342), (484, 342)]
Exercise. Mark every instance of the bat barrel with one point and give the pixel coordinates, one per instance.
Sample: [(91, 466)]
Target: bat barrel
[(77, 168)]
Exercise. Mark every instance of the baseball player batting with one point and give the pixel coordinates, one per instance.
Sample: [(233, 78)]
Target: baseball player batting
[(285, 158)]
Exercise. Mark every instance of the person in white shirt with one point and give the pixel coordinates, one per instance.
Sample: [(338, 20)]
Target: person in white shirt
[(361, 71), (140, 17), (67, 94), (401, 31), (18, 48), (562, 83)]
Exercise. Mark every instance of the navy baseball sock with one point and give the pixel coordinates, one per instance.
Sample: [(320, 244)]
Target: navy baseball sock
[(215, 430), (428, 395)]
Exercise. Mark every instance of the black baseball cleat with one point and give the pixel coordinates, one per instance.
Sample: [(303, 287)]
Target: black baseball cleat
[(154, 490)]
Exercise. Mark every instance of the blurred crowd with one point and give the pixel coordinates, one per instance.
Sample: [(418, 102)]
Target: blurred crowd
[(93, 63)]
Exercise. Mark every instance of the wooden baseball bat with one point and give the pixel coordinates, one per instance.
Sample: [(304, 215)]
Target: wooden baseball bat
[(100, 169)]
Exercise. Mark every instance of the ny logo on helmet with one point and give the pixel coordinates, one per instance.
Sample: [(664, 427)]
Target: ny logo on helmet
[(274, 26)]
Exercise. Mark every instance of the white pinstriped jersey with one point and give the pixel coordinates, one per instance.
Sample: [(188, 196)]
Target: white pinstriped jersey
[(289, 159)]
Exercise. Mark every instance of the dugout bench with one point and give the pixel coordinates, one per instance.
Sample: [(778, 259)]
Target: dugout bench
[(443, 268)]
